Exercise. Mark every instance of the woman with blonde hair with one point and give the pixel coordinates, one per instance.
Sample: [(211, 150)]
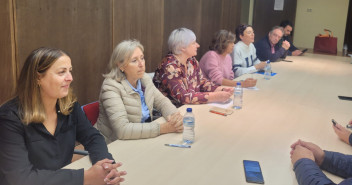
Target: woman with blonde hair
[(39, 128), (128, 97)]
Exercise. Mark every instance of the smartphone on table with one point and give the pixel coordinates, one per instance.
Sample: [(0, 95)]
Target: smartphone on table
[(253, 172)]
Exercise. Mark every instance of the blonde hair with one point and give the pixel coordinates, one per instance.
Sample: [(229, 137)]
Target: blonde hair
[(31, 107), (121, 56)]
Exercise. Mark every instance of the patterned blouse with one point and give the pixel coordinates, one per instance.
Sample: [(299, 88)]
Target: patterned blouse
[(180, 86)]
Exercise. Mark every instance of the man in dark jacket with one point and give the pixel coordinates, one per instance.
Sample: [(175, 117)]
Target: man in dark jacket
[(308, 160), (268, 48), (287, 26)]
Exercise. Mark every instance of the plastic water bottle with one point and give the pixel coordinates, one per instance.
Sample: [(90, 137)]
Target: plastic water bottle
[(345, 50), (237, 99), (188, 127), (267, 73)]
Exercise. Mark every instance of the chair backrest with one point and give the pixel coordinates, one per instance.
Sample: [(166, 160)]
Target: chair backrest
[(92, 111)]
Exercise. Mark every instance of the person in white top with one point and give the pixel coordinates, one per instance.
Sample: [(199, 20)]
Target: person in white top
[(244, 55)]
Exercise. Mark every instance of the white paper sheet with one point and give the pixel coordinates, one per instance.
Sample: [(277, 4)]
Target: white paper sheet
[(279, 5), (224, 105), (255, 88)]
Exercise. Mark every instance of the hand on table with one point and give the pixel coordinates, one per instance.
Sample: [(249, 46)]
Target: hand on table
[(296, 52), (260, 66), (249, 82), (318, 153), (220, 96), (301, 152), (228, 89), (104, 172), (342, 132), (173, 124), (176, 119)]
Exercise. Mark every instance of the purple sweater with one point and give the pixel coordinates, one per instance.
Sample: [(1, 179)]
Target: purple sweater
[(215, 67)]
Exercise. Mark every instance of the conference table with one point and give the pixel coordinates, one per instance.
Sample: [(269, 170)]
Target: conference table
[(297, 103)]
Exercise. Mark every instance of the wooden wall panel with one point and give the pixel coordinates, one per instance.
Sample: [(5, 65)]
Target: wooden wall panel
[(231, 14), (81, 28), (203, 17), (217, 15), (141, 20), (211, 14), (177, 14), (89, 30), (264, 16), (8, 67)]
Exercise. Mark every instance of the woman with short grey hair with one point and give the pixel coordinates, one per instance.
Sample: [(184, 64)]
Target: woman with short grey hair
[(180, 38), (128, 97), (179, 76)]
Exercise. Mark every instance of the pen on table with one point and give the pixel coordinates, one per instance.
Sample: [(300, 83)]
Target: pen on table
[(218, 113), (180, 146)]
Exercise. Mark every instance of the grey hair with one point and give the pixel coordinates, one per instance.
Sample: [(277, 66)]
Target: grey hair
[(180, 38), (276, 27), (121, 56)]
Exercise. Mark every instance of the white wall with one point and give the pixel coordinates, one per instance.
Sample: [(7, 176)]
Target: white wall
[(250, 16), (329, 14)]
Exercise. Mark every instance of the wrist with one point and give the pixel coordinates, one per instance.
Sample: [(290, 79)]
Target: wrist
[(320, 159), (87, 177), (164, 128), (211, 96)]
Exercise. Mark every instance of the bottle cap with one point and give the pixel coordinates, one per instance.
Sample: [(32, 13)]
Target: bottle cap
[(238, 83), (268, 61), (189, 109)]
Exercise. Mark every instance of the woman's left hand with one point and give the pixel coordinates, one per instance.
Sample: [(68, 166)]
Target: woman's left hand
[(224, 88), (176, 119), (249, 82), (113, 175), (300, 152)]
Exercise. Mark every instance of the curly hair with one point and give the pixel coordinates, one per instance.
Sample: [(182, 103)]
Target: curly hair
[(221, 40)]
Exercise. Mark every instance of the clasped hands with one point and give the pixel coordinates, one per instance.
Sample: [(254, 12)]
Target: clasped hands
[(174, 123), (104, 172), (301, 149), (286, 45)]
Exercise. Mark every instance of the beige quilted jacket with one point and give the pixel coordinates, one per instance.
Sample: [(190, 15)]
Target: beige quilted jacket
[(120, 110)]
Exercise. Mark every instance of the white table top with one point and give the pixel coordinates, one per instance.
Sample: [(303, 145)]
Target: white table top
[(298, 103)]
